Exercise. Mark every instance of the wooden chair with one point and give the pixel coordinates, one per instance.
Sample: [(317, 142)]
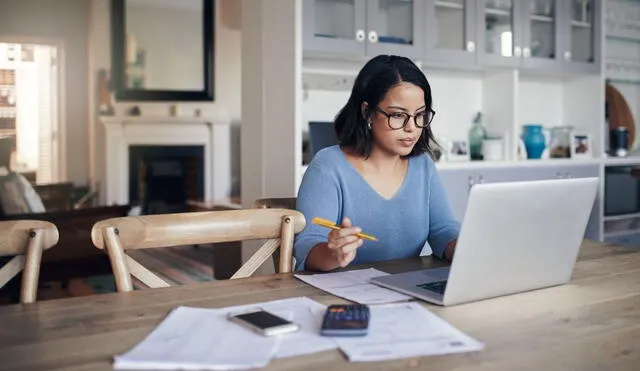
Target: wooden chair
[(26, 239), (276, 203), (116, 235)]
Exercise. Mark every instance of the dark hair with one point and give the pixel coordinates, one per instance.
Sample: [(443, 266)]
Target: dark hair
[(373, 82)]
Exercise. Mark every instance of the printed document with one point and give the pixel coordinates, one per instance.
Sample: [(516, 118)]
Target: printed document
[(354, 285), (403, 330), (204, 339)]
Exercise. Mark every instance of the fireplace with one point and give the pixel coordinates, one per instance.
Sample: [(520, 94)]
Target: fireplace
[(163, 177), (211, 131)]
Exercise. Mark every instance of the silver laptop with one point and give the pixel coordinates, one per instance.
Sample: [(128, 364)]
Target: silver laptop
[(515, 237)]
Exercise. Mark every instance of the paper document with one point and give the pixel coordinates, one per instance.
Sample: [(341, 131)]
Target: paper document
[(354, 285), (403, 330), (426, 249), (204, 339)]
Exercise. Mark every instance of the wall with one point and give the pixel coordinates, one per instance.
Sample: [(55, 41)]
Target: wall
[(64, 21), (227, 75), (457, 96)]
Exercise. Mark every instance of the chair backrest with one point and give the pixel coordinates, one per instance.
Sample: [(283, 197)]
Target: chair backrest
[(277, 226), (276, 203), (25, 240)]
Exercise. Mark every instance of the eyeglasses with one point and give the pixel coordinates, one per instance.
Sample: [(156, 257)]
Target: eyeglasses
[(398, 120)]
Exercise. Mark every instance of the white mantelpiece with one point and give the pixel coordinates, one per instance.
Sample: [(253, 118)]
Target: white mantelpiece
[(214, 133)]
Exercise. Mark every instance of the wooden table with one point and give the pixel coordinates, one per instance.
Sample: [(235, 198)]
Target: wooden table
[(592, 323)]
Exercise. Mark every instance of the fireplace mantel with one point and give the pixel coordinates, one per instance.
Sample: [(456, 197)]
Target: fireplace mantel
[(212, 132)]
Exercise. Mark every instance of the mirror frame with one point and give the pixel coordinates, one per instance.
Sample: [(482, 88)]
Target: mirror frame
[(122, 93)]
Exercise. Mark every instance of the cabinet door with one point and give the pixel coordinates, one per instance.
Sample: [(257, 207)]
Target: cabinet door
[(395, 27), (541, 35), (457, 184), (581, 34), (334, 26), (499, 32), (451, 32)]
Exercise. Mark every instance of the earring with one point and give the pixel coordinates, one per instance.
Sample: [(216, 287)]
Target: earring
[(369, 125)]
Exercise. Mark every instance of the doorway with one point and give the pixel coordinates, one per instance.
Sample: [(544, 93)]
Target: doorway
[(29, 108)]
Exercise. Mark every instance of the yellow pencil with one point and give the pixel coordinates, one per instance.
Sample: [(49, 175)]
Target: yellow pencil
[(328, 224)]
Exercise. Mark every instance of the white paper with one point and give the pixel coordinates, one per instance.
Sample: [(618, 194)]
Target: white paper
[(403, 330), (194, 339), (354, 285), (204, 339), (426, 249)]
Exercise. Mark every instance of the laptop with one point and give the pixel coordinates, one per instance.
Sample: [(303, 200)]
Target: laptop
[(515, 237), (321, 135)]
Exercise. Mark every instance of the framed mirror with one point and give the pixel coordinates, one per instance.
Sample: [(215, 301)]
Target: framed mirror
[(162, 50)]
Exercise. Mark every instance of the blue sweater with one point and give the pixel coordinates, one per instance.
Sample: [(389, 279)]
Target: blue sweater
[(418, 213)]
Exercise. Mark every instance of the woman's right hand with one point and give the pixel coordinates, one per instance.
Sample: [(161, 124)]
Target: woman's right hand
[(343, 243)]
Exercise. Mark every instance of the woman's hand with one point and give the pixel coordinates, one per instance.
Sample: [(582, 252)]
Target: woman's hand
[(343, 243)]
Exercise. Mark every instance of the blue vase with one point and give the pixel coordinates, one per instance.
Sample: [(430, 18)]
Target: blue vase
[(534, 140)]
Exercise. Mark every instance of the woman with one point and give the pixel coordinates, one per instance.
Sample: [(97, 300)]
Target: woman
[(380, 179)]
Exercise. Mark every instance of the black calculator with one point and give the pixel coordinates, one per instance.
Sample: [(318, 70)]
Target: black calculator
[(345, 320)]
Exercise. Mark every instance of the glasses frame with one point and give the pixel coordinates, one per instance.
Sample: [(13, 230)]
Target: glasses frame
[(407, 117)]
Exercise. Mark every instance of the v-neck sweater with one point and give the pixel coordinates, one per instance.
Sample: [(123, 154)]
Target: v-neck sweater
[(417, 215)]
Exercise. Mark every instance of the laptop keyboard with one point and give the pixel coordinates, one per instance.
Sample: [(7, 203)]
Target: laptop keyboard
[(438, 286)]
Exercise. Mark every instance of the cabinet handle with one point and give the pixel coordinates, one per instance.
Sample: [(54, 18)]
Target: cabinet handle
[(471, 46), (373, 36), (517, 51), (470, 182), (568, 175), (360, 35), (558, 175), (526, 52), (567, 55), (481, 180)]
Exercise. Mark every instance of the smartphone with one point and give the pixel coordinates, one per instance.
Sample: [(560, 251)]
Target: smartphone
[(264, 323)]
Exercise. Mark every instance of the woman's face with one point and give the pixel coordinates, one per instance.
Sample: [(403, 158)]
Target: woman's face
[(402, 101)]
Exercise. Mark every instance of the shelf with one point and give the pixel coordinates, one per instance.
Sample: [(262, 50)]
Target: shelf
[(500, 12), (623, 81), (444, 165), (621, 217), (449, 5), (542, 18), (621, 161), (621, 233), (581, 24), (626, 39)]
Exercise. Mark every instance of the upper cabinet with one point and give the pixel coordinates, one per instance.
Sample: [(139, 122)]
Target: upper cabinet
[(364, 27), (551, 35), (450, 32), (554, 35)]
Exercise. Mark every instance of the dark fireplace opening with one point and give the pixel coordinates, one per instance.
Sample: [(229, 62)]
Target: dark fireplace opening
[(163, 178)]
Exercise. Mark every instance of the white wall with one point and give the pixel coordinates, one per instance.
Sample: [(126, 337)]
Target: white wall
[(64, 21), (227, 74), (457, 96)]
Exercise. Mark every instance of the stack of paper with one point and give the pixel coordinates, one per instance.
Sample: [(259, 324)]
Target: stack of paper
[(204, 339), (354, 285), (405, 330)]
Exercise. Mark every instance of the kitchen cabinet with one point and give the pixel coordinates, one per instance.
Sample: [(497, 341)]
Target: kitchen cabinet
[(553, 35), (364, 27), (549, 35), (451, 36), (458, 182)]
